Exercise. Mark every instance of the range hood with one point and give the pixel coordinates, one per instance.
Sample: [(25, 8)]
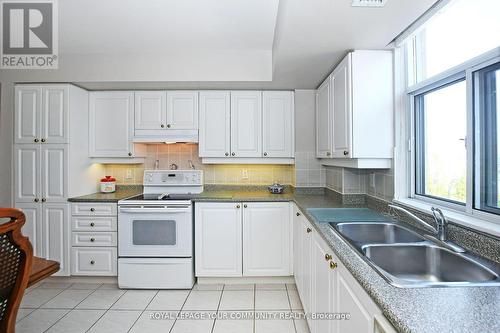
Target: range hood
[(161, 136)]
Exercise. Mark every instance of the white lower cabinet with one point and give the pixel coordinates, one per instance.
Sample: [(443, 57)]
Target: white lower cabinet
[(325, 286), (55, 235), (242, 239), (323, 283), (94, 239), (303, 234), (48, 231), (94, 261), (218, 239), (266, 239)]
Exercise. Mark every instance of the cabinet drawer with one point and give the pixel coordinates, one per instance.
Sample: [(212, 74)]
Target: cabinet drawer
[(94, 261), (93, 239), (88, 223), (93, 209)]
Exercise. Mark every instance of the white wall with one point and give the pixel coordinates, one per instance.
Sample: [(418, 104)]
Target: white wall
[(308, 170)]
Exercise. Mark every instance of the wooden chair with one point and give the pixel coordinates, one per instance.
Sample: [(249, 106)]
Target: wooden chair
[(16, 255)]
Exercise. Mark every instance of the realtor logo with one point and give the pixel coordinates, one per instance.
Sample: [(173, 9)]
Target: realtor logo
[(29, 34)]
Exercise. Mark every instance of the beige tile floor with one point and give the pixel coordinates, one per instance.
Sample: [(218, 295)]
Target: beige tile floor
[(68, 307)]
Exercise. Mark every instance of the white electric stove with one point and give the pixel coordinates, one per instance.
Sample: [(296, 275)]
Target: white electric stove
[(155, 232)]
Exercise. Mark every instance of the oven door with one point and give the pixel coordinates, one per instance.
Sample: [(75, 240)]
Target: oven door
[(155, 231)]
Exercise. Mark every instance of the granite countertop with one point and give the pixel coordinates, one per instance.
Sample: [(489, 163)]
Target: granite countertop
[(122, 192), (468, 309)]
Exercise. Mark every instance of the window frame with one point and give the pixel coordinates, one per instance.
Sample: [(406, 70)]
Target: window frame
[(481, 168), (405, 152), (418, 159)]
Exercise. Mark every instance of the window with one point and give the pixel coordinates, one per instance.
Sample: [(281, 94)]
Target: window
[(440, 133), (459, 32), (488, 152), (452, 71)]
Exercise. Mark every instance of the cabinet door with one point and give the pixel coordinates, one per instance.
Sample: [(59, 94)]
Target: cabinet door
[(297, 248), (306, 258), (218, 239), (347, 300), (27, 173), (266, 239), (323, 283), (55, 114), (33, 226), (27, 116), (215, 124), (182, 110), (341, 93), (246, 123), (55, 235), (150, 110), (111, 124), (323, 121), (54, 161), (277, 112)]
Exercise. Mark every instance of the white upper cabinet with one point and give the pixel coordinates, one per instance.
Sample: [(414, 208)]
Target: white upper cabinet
[(27, 114), (266, 239), (111, 124), (246, 123), (340, 87), (278, 124), (41, 114), (55, 114), (150, 110), (215, 124), (354, 123), (323, 121), (218, 245), (182, 110)]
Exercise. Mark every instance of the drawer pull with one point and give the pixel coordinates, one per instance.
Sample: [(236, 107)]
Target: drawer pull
[(308, 230), (92, 239), (328, 257), (92, 262), (298, 214), (92, 209), (333, 265), (92, 224)]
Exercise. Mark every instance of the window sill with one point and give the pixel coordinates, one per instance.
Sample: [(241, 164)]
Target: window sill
[(459, 218)]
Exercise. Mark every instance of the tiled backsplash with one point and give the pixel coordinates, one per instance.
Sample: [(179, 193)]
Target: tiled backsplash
[(180, 154), (308, 171), (378, 183)]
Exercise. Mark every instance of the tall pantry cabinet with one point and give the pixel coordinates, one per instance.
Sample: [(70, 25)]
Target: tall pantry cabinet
[(51, 163)]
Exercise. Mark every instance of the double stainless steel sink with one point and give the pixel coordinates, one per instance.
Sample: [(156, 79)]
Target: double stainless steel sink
[(407, 258)]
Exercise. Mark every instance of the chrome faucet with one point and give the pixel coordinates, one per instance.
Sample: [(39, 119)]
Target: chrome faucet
[(424, 224), (441, 227), (441, 223)]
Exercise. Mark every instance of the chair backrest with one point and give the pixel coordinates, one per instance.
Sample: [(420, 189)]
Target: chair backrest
[(16, 255)]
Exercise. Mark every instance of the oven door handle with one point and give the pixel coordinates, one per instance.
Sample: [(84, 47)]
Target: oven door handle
[(154, 210)]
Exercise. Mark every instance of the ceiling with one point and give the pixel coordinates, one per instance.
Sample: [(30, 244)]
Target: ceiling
[(215, 44)]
